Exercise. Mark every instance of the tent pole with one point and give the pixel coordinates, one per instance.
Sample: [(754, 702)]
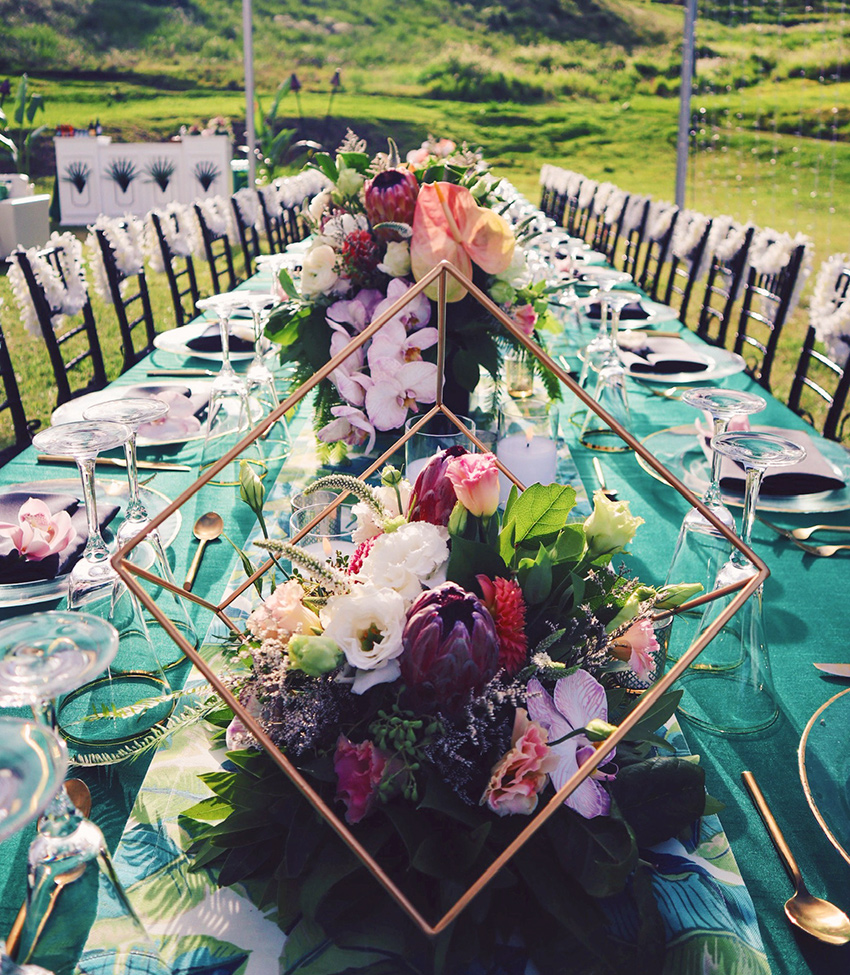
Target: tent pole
[(248, 57), (685, 101)]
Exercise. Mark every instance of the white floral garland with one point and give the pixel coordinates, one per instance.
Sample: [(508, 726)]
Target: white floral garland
[(587, 193), (126, 237), (248, 204), (218, 216), (771, 251), (659, 219), (634, 213), (182, 234), (829, 312), (689, 231), (601, 197), (66, 298), (614, 206)]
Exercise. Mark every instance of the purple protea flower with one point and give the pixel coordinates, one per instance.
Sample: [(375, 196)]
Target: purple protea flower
[(433, 494), (390, 197), (450, 649)]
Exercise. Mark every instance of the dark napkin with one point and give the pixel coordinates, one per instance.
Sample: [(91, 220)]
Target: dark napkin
[(811, 476), (660, 355), (210, 341), (633, 310), (15, 569)]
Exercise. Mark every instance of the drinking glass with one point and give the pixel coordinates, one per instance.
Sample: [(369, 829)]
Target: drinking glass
[(519, 375), (728, 689), (701, 549), (439, 433), (134, 411), (42, 656), (229, 414)]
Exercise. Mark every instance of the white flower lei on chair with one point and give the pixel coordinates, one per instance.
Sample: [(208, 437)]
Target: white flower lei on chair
[(249, 207), (183, 240), (659, 218), (127, 243), (586, 193), (634, 214), (771, 251), (689, 231), (66, 298), (218, 216), (829, 312)]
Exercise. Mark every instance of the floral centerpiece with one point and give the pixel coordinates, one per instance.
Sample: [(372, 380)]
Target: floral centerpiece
[(379, 227), (435, 687)]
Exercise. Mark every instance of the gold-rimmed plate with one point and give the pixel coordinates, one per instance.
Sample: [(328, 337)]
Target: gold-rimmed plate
[(824, 763)]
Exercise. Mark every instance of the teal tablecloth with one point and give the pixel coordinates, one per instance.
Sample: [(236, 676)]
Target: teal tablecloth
[(805, 622)]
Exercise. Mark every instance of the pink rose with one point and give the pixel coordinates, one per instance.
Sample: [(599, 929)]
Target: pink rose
[(283, 614), (359, 771), (475, 479), (526, 318), (523, 772), (38, 534), (638, 647)]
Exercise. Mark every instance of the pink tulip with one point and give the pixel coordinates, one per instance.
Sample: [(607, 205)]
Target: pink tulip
[(475, 479)]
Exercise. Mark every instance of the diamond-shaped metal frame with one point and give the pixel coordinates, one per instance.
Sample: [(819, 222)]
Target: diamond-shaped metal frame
[(133, 574)]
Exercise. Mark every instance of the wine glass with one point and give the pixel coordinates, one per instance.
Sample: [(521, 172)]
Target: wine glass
[(610, 392), (133, 412), (229, 410), (728, 688), (700, 548)]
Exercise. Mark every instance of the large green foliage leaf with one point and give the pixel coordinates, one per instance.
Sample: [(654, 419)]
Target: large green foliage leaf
[(537, 515), (660, 796), (600, 853)]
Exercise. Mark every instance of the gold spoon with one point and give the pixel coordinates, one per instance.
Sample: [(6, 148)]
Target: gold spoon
[(78, 793), (817, 917), (207, 528)]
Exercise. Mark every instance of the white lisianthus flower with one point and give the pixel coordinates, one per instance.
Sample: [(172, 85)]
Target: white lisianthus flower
[(366, 624), (407, 559), (318, 205), (319, 272), (367, 526), (396, 261), (611, 526), (350, 182)]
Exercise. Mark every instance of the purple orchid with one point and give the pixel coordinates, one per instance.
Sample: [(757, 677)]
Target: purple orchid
[(392, 342), (578, 700), (357, 311), (347, 377), (351, 426), (396, 389), (413, 316)]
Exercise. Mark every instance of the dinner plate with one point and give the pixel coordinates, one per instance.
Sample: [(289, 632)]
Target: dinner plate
[(592, 258), (106, 491), (175, 341), (721, 363), (656, 312), (824, 764), (198, 390), (678, 450)]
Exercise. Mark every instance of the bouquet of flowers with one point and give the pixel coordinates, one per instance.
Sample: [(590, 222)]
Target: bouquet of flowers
[(436, 686), (379, 227)]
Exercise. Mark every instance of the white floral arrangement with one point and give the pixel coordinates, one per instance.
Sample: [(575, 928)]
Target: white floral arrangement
[(829, 312), (248, 203), (126, 237), (587, 193), (633, 213), (218, 216), (66, 297), (181, 232)]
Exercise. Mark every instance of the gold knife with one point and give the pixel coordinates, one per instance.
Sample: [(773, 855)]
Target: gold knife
[(144, 465)]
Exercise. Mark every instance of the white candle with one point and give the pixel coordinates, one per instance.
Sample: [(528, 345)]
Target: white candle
[(532, 460), (327, 549)]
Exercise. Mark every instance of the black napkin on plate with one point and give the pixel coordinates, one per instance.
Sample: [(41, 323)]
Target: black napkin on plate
[(210, 341), (632, 311), (660, 355), (15, 569), (812, 475)]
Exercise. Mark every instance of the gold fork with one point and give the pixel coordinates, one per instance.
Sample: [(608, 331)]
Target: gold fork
[(824, 551)]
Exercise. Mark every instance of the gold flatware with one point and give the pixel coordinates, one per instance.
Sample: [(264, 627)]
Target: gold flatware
[(143, 465), (824, 551), (803, 533), (78, 793), (207, 528), (181, 372), (600, 477), (817, 917), (835, 670)]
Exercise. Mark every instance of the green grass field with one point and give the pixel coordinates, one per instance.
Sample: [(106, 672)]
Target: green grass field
[(591, 88)]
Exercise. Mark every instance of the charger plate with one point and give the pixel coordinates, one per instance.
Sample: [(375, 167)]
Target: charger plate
[(825, 769)]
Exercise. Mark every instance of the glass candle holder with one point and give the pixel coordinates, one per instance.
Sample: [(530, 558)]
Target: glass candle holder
[(439, 433), (527, 444)]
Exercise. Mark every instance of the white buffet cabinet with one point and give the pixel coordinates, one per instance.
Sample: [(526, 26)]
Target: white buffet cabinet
[(96, 176)]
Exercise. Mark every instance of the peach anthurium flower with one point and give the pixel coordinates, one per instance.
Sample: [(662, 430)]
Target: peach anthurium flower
[(448, 225)]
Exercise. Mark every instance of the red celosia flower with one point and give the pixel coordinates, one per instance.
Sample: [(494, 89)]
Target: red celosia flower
[(355, 563), (503, 598), (361, 255)]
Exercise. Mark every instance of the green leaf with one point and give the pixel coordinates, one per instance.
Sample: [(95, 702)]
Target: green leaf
[(208, 810), (539, 513), (9, 146), (439, 797), (356, 160), (334, 862), (465, 369), (712, 806), (287, 284), (659, 797), (241, 863), (468, 558), (569, 545), (600, 853), (535, 578), (326, 164), (449, 853), (304, 838), (656, 716), (651, 935)]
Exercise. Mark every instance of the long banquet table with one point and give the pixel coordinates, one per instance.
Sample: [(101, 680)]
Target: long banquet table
[(805, 622)]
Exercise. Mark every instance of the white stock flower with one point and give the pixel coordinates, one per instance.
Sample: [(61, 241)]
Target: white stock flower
[(396, 261), (366, 624), (406, 559)]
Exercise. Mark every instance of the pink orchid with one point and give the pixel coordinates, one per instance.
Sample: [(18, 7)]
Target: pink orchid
[(449, 225), (357, 311), (638, 646), (397, 389), (179, 421), (351, 426), (393, 342), (525, 317), (347, 377), (413, 316), (38, 534), (578, 700)]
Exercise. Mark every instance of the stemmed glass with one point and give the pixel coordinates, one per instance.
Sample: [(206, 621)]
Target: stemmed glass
[(95, 587), (700, 548), (42, 656), (133, 412), (728, 689), (229, 410), (610, 392)]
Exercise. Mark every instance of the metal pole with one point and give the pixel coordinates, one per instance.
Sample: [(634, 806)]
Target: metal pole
[(248, 57), (685, 102)]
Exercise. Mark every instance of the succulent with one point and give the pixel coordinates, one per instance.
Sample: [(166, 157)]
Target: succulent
[(390, 197), (450, 650), (433, 494), (78, 174), (122, 172), (206, 173)]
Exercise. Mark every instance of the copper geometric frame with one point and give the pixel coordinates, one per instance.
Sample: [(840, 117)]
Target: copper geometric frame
[(131, 574)]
